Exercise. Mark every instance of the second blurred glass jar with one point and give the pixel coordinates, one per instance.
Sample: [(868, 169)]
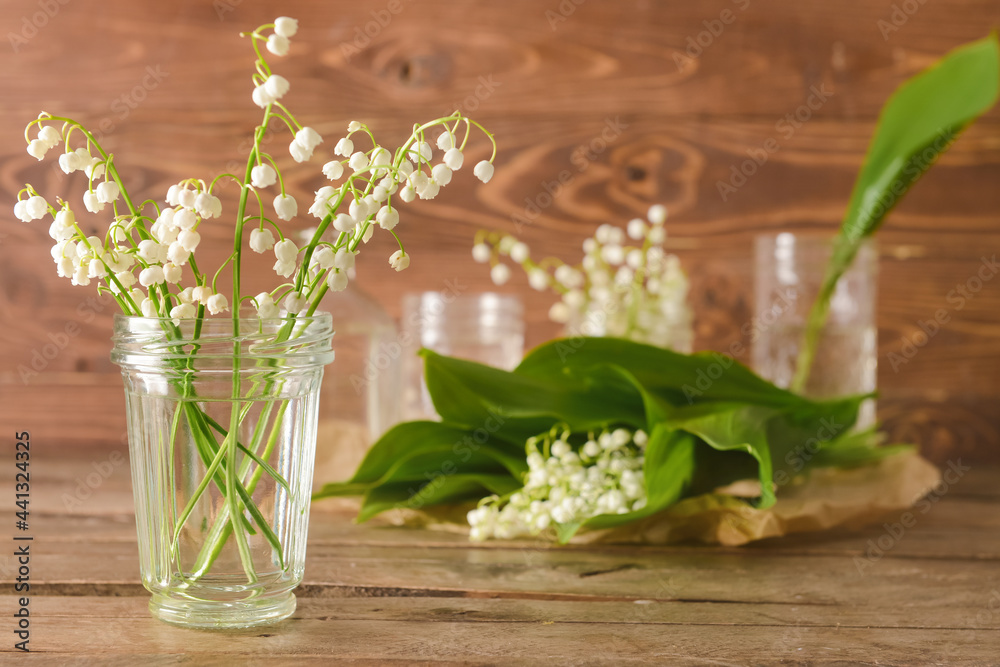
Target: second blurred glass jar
[(360, 400), (485, 327), (789, 269)]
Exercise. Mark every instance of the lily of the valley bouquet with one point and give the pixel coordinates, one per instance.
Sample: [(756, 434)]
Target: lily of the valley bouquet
[(222, 410), (595, 438)]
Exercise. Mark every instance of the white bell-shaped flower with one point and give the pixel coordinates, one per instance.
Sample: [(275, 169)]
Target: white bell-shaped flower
[(187, 197), (337, 281), (276, 85), (208, 205), (185, 218), (387, 218), (261, 97), (420, 152), (294, 302), (286, 250), (286, 207), (262, 176), (454, 159), (344, 223), (285, 26), (309, 138), (284, 269), (152, 275), (126, 278), (261, 240), (657, 214), (70, 162), (278, 44), (399, 260), (95, 168), (93, 204), (216, 304), (266, 308), (323, 257), (49, 135), (481, 253), (446, 141), (500, 274), (184, 311), (107, 191), (484, 171), (358, 161), (178, 254), (38, 148), (189, 239), (333, 170), (344, 259), (344, 147), (148, 308), (299, 152), (441, 174), (172, 273), (519, 252), (201, 293)]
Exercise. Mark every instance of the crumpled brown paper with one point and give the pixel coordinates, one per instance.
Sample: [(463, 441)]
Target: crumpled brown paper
[(825, 498)]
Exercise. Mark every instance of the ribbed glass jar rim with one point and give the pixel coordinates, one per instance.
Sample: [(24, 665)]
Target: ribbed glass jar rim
[(294, 341)]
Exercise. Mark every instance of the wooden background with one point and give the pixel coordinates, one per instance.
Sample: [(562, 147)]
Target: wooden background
[(170, 83)]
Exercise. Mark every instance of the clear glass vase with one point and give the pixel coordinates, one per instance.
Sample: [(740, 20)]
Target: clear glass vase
[(222, 434), (789, 269), (361, 401), (484, 327)]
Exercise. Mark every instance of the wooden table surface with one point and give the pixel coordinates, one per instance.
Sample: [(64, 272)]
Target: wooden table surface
[(929, 594)]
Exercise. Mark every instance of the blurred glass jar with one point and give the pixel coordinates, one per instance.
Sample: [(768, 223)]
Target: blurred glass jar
[(485, 327), (359, 399), (789, 269)]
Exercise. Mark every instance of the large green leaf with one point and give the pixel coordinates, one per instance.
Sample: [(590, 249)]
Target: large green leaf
[(516, 406), (918, 123), (736, 427), (680, 379)]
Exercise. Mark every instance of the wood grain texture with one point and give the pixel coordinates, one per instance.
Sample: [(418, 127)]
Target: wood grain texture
[(607, 96), (382, 595)]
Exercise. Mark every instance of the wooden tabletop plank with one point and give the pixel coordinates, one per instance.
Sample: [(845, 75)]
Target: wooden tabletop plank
[(480, 631)]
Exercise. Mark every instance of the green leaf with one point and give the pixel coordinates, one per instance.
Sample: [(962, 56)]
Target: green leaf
[(446, 441), (516, 406), (679, 379), (445, 489), (739, 428), (918, 123)]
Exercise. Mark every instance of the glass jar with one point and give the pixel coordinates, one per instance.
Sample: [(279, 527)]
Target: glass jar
[(485, 327), (361, 401), (222, 430), (789, 269)]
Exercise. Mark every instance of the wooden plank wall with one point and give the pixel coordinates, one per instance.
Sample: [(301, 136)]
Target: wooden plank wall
[(658, 118)]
